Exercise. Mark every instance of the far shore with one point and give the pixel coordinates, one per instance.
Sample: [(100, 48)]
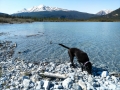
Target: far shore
[(30, 20)]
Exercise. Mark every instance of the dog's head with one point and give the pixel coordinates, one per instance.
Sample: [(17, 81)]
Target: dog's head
[(88, 67)]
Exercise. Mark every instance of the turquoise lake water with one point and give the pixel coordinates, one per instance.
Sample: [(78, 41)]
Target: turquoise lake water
[(39, 41)]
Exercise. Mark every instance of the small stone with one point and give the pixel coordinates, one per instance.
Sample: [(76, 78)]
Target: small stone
[(96, 85), (67, 83), (46, 84), (106, 82), (90, 79), (114, 78), (26, 83), (108, 77), (71, 75), (58, 86), (82, 84), (118, 88), (76, 86), (31, 85), (12, 88), (30, 65), (25, 77), (104, 74), (112, 87), (39, 84)]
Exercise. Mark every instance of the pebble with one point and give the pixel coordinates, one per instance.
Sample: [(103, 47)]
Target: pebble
[(39, 84), (67, 83), (20, 75), (76, 86), (46, 84), (104, 74), (26, 83)]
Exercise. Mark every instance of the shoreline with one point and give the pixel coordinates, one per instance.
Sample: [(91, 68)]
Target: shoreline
[(17, 74)]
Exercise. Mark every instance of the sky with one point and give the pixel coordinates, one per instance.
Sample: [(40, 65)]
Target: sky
[(89, 6)]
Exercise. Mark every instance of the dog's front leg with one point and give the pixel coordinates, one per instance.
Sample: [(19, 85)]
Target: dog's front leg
[(71, 59), (82, 67)]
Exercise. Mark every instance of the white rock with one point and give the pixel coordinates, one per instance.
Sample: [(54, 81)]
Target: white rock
[(106, 82), (30, 65), (16, 83), (82, 84), (108, 77), (112, 87), (71, 75), (56, 86), (114, 78), (67, 83), (39, 84), (104, 74), (118, 87), (26, 83), (34, 78), (90, 79), (46, 84), (12, 88)]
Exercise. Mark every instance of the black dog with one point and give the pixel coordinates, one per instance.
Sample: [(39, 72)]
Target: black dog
[(81, 56)]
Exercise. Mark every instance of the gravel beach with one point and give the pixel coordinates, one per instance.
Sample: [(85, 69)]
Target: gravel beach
[(18, 74)]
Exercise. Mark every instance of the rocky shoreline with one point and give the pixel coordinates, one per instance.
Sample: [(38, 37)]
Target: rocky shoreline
[(17, 74)]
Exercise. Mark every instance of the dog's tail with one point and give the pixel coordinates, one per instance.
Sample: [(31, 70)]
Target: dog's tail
[(64, 46)]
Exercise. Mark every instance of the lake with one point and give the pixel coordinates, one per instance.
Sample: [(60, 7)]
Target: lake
[(39, 41)]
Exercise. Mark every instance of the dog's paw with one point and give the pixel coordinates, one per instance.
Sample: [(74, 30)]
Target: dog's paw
[(72, 66)]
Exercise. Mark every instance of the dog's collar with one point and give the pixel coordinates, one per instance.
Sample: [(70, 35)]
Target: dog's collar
[(86, 63)]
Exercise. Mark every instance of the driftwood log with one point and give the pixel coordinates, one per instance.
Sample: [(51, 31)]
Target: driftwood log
[(54, 75)]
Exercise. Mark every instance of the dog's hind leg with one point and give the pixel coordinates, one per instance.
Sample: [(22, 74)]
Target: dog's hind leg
[(71, 59)]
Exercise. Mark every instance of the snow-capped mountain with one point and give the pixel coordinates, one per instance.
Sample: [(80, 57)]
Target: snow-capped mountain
[(104, 12), (43, 11), (42, 8)]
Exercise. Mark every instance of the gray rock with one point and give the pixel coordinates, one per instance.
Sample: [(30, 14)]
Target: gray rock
[(31, 85), (59, 86), (25, 77), (95, 84), (76, 87)]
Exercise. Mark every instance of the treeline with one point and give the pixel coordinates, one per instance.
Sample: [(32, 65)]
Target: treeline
[(5, 18), (21, 19), (52, 19)]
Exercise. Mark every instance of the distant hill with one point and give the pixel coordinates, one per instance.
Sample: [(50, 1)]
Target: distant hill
[(42, 11), (4, 15), (113, 16)]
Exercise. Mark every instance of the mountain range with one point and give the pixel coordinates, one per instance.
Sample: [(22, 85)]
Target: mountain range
[(42, 11), (41, 8)]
